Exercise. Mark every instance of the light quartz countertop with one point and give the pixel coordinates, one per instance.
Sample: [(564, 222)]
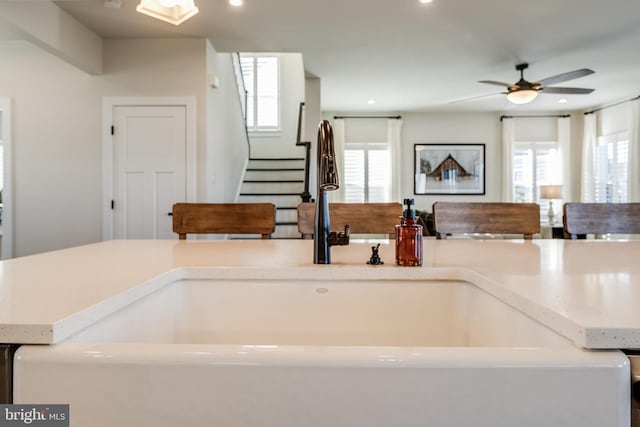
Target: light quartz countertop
[(588, 291)]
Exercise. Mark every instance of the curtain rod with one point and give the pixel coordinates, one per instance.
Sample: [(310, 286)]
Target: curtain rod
[(560, 116), (595, 110), (368, 117)]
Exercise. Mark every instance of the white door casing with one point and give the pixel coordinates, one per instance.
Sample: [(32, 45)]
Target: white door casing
[(149, 164)]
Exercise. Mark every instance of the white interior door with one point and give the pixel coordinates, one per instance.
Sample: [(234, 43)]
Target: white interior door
[(149, 176)]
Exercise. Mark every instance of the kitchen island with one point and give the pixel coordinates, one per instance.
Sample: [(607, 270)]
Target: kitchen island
[(585, 291)]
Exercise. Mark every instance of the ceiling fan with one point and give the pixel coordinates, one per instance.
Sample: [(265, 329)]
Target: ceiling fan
[(524, 91)]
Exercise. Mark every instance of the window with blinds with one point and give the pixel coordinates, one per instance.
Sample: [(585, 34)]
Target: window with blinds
[(535, 164), (612, 168), (367, 172), (262, 82)]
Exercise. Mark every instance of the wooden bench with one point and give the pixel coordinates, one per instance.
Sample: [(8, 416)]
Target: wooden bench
[(481, 217), (580, 219), (224, 218), (362, 218)]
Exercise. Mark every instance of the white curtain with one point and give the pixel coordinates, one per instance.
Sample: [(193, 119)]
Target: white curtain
[(589, 143), (564, 145), (507, 160), (338, 143), (634, 152), (394, 128)]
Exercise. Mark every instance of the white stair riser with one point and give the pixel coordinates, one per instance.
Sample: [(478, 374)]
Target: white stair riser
[(273, 175), (282, 201), (276, 164), (272, 187)]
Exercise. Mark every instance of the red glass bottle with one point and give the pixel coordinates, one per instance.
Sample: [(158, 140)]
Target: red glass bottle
[(409, 237)]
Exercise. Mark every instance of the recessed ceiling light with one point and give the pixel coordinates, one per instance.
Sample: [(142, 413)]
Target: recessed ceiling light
[(113, 4), (425, 1), (371, 101), (235, 2), (562, 101)]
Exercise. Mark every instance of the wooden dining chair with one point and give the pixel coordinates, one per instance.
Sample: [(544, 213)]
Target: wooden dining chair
[(362, 218), (580, 219), (482, 217), (224, 218)]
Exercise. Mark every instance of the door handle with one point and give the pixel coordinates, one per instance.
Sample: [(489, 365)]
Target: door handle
[(170, 214)]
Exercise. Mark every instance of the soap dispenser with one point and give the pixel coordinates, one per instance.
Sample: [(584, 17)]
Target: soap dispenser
[(409, 237)]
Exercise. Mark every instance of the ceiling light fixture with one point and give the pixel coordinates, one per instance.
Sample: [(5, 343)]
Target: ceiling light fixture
[(371, 101), (562, 101), (172, 11), (425, 1), (522, 96), (235, 2)]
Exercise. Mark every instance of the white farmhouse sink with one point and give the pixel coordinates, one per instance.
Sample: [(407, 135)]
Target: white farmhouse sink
[(295, 352), (338, 313)]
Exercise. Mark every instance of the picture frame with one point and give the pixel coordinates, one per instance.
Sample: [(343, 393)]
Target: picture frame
[(449, 169)]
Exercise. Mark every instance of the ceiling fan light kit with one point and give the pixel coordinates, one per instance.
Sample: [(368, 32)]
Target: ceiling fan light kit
[(522, 96), (525, 91), (172, 11)]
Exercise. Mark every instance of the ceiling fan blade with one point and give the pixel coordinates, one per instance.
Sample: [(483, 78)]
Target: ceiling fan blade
[(473, 98), (493, 82), (559, 78), (567, 90)]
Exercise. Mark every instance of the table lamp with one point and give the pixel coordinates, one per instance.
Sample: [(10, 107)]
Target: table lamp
[(551, 192)]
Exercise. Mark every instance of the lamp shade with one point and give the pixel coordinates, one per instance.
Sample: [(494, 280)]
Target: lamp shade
[(551, 191), (522, 96)]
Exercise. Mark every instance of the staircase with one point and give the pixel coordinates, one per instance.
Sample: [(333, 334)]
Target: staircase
[(279, 181)]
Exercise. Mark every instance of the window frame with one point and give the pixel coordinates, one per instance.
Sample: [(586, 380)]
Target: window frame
[(254, 129)]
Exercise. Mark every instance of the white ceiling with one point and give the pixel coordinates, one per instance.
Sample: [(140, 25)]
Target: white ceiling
[(416, 57)]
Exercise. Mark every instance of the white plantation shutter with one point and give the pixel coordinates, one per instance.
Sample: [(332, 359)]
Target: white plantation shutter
[(367, 172), (262, 82), (267, 92), (612, 169), (379, 174), (354, 175)]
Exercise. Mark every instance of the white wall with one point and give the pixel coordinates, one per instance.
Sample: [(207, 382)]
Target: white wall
[(57, 129), (535, 129), (292, 92), (56, 135), (473, 128), (312, 118), (227, 145), (614, 120)]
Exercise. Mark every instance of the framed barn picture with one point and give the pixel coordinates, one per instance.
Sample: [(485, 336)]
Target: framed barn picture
[(449, 169)]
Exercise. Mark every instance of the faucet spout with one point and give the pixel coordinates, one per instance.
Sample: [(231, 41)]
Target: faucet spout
[(327, 181)]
